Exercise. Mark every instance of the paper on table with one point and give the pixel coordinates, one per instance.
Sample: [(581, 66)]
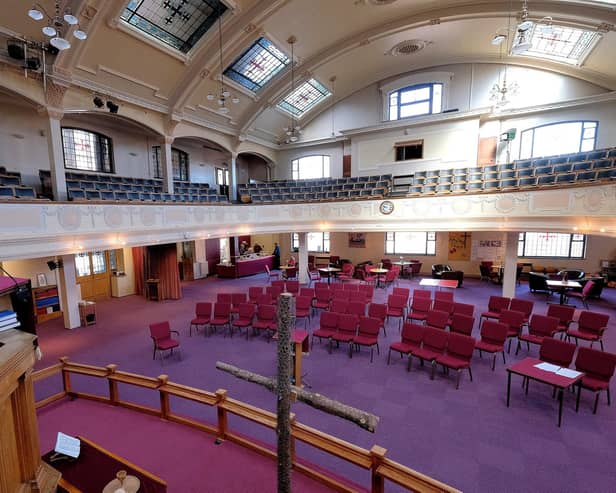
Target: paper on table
[(67, 445), (566, 372), (547, 367)]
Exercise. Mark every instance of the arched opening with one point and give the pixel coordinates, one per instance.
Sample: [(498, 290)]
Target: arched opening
[(252, 166), (209, 162)]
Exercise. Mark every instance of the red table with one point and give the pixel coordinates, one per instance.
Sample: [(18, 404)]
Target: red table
[(441, 283), (247, 267), (527, 368)]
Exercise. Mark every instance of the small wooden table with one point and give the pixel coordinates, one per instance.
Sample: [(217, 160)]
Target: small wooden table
[(329, 271), (379, 272), (440, 283), (528, 368), (562, 287)]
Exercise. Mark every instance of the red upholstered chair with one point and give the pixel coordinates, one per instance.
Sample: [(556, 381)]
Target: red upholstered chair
[(539, 327), (313, 276), (443, 306), (274, 292), (367, 291), (457, 356), (280, 284), (414, 268), (591, 326), (346, 330), (160, 333), (338, 293), (410, 340), (266, 320), (496, 304), (203, 313), (350, 286), (464, 309), (254, 292), (419, 308), (290, 273), (514, 321), (236, 300), (524, 306), (271, 275), (367, 335), (293, 287), (405, 292), (368, 277), (337, 287), (357, 308), (321, 300), (422, 293), (222, 315), (557, 352), (396, 306), (347, 272), (493, 337), (378, 310), (303, 309), (265, 299), (598, 368), (586, 290), (390, 277), (307, 292), (224, 298), (462, 324), (437, 319), (564, 314), (434, 342), (338, 306), (245, 314), (443, 296), (327, 326)]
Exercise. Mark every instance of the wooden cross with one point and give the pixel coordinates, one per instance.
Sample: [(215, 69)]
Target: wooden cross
[(284, 390)]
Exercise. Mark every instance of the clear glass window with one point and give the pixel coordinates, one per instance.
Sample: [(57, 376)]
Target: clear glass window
[(310, 167), (316, 242), (421, 99), (557, 245), (410, 243), (558, 138), (88, 151)]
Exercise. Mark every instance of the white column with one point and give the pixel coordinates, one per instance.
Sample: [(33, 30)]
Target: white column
[(166, 165), (56, 155), (302, 273), (511, 262), (70, 292), (233, 178)]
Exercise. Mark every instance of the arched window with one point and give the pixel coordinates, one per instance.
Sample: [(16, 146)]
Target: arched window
[(558, 138), (88, 151), (416, 100), (308, 167)]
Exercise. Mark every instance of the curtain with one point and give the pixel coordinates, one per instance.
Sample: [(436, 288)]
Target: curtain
[(138, 264), (163, 265)]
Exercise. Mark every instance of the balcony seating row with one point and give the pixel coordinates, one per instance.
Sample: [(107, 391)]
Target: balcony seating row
[(8, 192), (80, 194), (264, 197), (319, 182)]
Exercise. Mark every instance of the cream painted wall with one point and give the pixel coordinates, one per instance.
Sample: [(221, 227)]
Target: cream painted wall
[(29, 268), (23, 144)]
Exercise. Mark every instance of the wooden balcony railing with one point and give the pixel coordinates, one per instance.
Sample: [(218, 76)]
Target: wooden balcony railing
[(381, 468)]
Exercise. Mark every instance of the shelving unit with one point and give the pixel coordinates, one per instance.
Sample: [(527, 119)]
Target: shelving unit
[(608, 270), (46, 303)]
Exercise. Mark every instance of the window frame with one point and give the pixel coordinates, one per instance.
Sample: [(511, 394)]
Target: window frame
[(295, 167), (179, 165), (324, 241), (100, 153), (414, 87), (225, 174), (581, 140), (522, 245), (430, 239)]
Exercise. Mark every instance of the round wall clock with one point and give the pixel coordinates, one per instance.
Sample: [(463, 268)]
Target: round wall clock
[(386, 207)]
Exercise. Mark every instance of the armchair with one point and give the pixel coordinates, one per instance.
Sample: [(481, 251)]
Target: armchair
[(161, 337), (438, 269)]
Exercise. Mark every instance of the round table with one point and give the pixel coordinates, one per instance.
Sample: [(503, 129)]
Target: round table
[(378, 273), (329, 271)]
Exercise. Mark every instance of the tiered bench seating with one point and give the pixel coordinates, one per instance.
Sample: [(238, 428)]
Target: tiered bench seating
[(11, 187), (349, 188)]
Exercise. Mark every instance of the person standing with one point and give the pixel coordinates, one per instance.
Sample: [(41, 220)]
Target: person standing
[(276, 254)]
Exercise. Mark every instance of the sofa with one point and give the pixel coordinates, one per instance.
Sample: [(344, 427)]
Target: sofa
[(537, 282), (438, 269), (457, 275)]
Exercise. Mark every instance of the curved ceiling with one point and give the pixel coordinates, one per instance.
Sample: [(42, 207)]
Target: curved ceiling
[(348, 39)]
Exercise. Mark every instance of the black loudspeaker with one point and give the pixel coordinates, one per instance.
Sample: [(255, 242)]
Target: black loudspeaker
[(15, 49), (23, 305)]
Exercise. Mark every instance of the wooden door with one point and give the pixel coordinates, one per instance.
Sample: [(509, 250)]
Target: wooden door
[(93, 275)]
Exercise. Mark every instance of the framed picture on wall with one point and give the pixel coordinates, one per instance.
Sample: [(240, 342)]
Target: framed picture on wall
[(41, 279), (357, 240)]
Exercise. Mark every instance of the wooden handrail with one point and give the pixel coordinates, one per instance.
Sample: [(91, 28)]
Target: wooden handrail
[(381, 467)]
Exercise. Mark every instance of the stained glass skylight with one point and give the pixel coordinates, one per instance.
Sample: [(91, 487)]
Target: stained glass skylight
[(305, 97), (561, 44), (257, 65), (177, 23)]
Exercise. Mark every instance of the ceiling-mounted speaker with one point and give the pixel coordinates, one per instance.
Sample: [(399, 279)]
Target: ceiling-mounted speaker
[(113, 108)]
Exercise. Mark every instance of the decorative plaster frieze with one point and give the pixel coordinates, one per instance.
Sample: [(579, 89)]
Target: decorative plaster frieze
[(47, 228)]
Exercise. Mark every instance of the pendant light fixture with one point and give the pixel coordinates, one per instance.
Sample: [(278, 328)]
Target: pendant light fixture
[(57, 25), (224, 95), (293, 131)]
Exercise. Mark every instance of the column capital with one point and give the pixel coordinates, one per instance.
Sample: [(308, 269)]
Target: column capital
[(168, 140), (51, 112)]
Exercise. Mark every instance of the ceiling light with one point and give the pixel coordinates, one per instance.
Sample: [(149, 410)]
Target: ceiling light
[(98, 102), (525, 24), (223, 93), (521, 43), (35, 14), (293, 131), (57, 24), (60, 43), (498, 39)]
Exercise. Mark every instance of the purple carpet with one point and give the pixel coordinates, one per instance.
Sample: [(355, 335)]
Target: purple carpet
[(467, 438)]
